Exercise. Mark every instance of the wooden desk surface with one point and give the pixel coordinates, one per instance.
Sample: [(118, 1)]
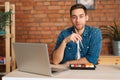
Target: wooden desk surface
[(110, 72)]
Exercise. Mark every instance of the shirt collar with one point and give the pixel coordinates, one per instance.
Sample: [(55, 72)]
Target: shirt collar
[(85, 33)]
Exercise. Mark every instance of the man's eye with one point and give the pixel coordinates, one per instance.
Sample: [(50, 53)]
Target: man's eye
[(81, 16), (73, 17)]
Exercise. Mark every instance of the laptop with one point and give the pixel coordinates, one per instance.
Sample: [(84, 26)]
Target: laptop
[(34, 58)]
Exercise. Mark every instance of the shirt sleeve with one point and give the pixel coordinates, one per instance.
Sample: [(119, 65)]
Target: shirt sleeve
[(95, 46), (59, 40)]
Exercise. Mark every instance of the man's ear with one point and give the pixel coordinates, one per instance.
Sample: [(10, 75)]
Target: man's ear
[(87, 17)]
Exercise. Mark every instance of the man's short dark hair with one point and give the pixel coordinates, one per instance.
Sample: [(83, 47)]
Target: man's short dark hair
[(78, 6)]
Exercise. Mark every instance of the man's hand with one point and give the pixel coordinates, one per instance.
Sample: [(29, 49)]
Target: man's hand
[(73, 37), (79, 61)]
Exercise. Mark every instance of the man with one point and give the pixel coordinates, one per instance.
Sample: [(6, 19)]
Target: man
[(79, 40)]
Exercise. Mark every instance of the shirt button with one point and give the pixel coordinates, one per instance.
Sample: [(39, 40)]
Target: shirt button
[(68, 47), (87, 46)]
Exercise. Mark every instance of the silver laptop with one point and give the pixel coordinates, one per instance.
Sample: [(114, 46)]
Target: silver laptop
[(33, 57)]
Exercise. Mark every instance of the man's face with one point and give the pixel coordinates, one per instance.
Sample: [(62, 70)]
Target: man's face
[(79, 18)]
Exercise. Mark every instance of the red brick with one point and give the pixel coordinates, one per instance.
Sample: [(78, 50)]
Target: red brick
[(68, 3), (54, 7), (40, 15), (26, 8), (61, 11), (61, 3)]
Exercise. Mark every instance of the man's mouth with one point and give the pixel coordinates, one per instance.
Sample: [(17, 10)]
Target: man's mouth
[(78, 24)]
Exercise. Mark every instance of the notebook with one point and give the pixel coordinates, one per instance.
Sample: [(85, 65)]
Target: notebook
[(33, 58)]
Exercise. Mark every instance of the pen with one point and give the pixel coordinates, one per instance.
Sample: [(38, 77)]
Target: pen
[(80, 42)]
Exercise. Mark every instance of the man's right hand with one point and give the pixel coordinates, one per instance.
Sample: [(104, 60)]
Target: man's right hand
[(73, 37)]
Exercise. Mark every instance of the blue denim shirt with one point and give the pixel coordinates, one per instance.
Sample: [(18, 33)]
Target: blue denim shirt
[(92, 42)]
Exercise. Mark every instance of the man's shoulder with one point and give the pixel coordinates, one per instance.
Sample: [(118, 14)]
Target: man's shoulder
[(92, 28)]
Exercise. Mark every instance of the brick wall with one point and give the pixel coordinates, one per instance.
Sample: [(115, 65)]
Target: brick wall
[(41, 21)]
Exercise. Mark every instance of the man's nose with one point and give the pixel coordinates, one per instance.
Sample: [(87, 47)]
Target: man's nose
[(78, 19)]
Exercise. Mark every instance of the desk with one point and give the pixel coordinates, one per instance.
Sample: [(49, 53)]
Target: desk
[(109, 72)]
